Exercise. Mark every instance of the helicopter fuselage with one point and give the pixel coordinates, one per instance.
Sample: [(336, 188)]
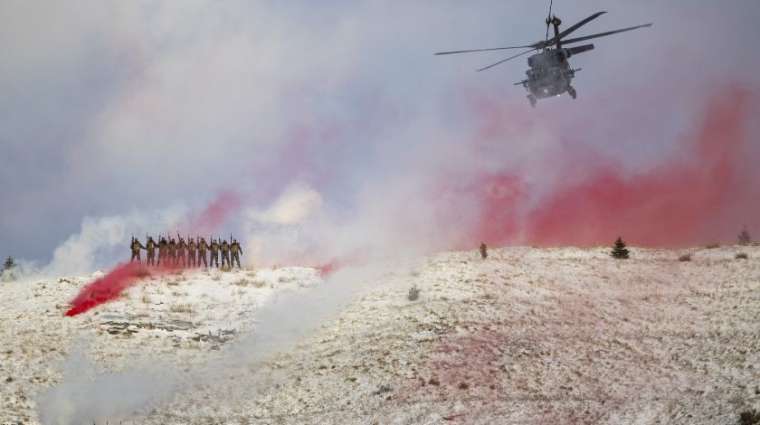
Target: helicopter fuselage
[(549, 74)]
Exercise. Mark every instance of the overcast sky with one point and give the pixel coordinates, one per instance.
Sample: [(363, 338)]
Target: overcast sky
[(112, 108)]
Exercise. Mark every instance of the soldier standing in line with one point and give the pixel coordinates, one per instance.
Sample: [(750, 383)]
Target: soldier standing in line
[(150, 246), (191, 252), (181, 249), (214, 258), (226, 254), (236, 250), (172, 260), (162, 251), (202, 247), (483, 250), (136, 247)]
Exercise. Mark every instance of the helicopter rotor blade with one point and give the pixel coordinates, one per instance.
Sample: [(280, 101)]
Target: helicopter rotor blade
[(483, 50), (579, 49), (507, 59), (571, 29), (603, 34)]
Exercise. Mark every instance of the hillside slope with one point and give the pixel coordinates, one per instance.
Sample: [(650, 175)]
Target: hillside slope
[(527, 336)]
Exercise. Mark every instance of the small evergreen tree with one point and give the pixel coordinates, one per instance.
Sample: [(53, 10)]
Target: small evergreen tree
[(9, 264), (744, 237), (619, 251)]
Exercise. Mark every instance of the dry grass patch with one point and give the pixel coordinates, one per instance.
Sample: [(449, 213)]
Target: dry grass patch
[(181, 308), (242, 282)]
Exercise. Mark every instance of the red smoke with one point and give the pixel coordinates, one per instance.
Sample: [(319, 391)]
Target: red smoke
[(107, 288), (328, 268), (214, 215), (706, 193), (110, 286)]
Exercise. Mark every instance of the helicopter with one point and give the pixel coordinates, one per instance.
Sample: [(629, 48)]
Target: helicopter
[(550, 73)]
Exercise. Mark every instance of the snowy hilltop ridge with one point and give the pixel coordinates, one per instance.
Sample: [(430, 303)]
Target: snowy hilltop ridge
[(527, 335)]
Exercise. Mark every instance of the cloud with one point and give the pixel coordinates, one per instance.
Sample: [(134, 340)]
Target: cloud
[(294, 205), (113, 107)]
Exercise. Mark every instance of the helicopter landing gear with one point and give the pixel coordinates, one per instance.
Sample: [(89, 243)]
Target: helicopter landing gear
[(571, 91), (532, 100)]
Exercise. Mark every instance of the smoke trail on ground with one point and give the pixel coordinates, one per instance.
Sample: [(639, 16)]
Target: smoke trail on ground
[(84, 397), (113, 284), (124, 275)]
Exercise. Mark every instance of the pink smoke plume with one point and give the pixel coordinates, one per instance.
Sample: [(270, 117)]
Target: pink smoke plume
[(123, 276), (705, 193), (107, 288), (214, 215)]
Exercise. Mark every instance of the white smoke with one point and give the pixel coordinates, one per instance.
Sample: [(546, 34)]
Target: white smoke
[(389, 219), (278, 234), (103, 241), (85, 397), (297, 203)]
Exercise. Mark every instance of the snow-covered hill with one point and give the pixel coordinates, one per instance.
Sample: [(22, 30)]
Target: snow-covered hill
[(527, 336)]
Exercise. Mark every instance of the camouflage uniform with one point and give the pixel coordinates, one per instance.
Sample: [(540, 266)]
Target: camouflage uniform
[(202, 247), (150, 246), (163, 251), (226, 254), (181, 249), (191, 253), (214, 258), (136, 246), (172, 252), (236, 251)]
